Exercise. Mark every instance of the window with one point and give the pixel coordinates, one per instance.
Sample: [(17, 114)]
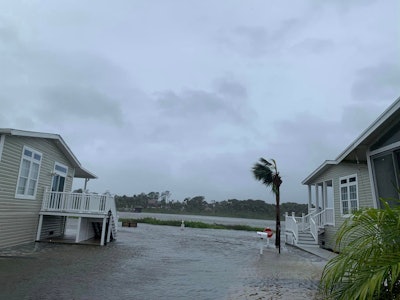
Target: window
[(387, 176), (348, 194), (28, 173)]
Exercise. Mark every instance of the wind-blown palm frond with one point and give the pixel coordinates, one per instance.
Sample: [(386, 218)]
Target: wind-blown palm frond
[(268, 174), (368, 266), (263, 173)]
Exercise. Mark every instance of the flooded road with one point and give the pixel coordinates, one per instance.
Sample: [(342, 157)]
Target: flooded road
[(160, 262)]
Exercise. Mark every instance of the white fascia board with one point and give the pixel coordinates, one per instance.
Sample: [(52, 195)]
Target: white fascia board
[(60, 143), (326, 164), (44, 135), (64, 147), (378, 122)]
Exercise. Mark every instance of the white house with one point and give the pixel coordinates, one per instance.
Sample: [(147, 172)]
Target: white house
[(36, 174), (368, 169)]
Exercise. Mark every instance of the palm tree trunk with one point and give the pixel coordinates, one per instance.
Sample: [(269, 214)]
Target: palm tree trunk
[(278, 223)]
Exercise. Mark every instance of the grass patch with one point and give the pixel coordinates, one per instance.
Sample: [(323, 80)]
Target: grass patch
[(191, 224)]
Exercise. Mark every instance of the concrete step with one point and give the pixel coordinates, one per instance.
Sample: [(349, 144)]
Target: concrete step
[(300, 245), (306, 238)]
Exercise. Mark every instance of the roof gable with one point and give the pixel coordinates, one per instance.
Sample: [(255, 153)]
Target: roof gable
[(80, 172), (356, 151), (387, 119)]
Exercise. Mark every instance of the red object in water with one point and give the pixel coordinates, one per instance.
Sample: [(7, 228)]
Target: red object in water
[(269, 232)]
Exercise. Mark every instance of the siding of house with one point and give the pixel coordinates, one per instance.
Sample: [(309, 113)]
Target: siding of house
[(52, 226), (19, 217), (364, 195)]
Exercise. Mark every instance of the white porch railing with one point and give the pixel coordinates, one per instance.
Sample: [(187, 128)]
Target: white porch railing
[(314, 229), (324, 217), (311, 222), (291, 226), (78, 203)]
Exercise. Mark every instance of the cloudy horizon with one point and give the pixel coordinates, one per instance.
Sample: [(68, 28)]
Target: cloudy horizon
[(186, 96)]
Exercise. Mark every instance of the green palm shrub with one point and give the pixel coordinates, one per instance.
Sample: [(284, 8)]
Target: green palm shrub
[(368, 265)]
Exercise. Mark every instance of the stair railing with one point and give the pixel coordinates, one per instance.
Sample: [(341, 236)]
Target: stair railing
[(113, 226), (292, 227), (313, 228)]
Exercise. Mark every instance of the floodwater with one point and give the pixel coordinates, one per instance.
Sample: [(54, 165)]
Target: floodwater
[(160, 262)]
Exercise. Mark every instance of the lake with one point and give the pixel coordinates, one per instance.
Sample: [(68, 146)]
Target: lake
[(205, 219)]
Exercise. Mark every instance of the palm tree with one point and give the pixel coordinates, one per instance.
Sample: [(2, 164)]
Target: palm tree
[(368, 266), (267, 173)]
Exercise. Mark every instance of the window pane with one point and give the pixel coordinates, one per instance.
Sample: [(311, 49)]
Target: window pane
[(343, 181), (345, 207), (61, 186), (385, 177), (37, 156), (352, 179), (55, 183), (28, 153), (35, 171), (343, 193), (25, 168), (21, 185), (353, 192), (61, 169), (31, 188), (353, 204)]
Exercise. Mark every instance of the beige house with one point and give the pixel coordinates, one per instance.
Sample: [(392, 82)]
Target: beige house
[(36, 174), (368, 169)]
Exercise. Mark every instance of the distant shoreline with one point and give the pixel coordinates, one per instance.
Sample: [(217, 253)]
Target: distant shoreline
[(256, 223), (191, 224)]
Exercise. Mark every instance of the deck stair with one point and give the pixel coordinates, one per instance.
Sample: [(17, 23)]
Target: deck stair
[(306, 229), (113, 227)]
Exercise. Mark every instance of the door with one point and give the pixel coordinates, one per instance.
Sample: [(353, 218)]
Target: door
[(58, 185)]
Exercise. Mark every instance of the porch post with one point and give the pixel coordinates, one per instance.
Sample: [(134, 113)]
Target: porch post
[(78, 231), (324, 195), (39, 227), (103, 231), (316, 198), (109, 230), (85, 185), (309, 198)]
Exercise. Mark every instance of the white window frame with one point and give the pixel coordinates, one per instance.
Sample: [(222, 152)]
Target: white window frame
[(31, 160), (347, 185), (58, 172)]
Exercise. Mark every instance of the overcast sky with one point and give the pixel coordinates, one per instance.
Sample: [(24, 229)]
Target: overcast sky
[(187, 95)]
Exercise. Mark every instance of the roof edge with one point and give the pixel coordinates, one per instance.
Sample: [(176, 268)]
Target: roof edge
[(322, 167), (63, 145), (370, 129)]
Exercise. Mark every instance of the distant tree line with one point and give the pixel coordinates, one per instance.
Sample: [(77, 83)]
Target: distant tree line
[(161, 203)]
